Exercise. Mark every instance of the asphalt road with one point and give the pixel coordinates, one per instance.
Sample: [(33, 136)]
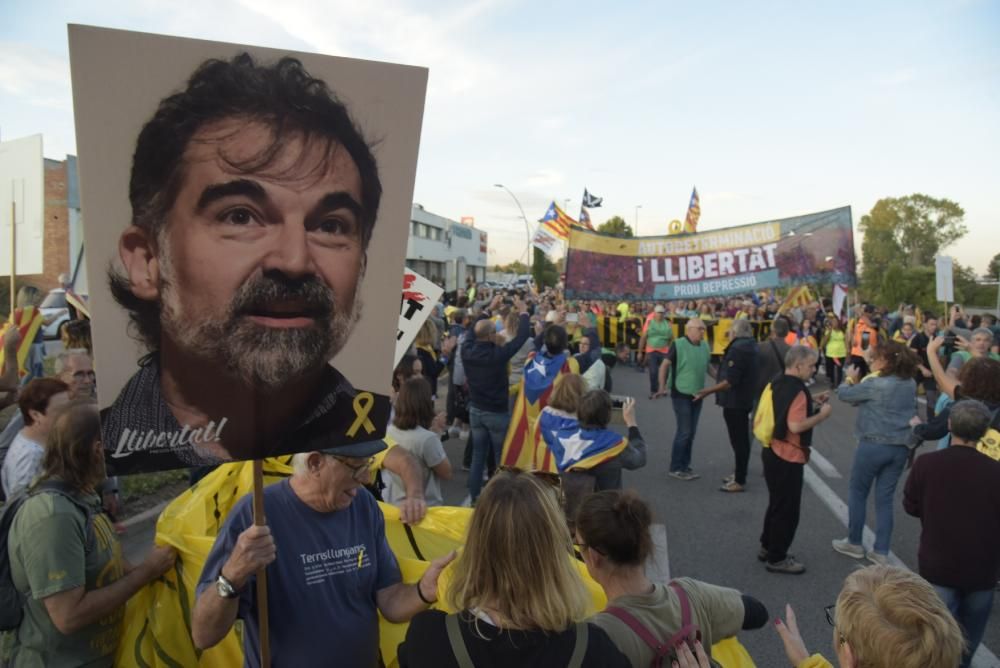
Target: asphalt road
[(713, 536)]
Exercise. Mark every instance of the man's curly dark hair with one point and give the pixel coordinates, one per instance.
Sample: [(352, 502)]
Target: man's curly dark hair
[(283, 96)]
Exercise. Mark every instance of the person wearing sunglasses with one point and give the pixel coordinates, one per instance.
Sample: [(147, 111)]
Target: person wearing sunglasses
[(612, 535), (885, 617), (520, 597), (330, 571)]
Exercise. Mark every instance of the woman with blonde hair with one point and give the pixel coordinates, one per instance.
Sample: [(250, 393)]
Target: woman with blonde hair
[(520, 598), (885, 617), (431, 362)]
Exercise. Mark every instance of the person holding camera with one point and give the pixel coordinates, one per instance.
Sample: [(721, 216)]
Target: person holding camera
[(864, 337), (887, 402)]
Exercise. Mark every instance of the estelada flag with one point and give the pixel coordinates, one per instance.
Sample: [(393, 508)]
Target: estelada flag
[(693, 213), (557, 221), (28, 320), (524, 447), (576, 449)]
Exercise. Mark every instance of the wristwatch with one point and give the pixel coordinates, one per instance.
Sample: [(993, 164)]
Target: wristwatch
[(225, 587)]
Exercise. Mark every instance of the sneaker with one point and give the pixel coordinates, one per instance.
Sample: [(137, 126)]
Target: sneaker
[(454, 431), (732, 486), (788, 566), (762, 554), (878, 559), (729, 478), (848, 548), (684, 475), (464, 434)]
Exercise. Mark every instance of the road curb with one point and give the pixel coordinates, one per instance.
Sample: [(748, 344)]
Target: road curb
[(145, 515)]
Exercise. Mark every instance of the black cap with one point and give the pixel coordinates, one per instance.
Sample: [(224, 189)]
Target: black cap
[(362, 449), (868, 308)]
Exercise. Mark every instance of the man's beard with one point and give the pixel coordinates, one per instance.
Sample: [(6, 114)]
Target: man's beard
[(266, 358)]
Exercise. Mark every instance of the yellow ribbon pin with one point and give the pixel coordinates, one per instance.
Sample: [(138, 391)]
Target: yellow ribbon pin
[(363, 403)]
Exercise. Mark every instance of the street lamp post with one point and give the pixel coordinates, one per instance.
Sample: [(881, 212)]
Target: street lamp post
[(637, 207), (527, 230)]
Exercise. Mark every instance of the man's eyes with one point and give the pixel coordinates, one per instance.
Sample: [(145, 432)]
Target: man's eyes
[(336, 227), (238, 216)]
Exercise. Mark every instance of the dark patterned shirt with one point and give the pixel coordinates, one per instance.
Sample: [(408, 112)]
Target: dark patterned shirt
[(140, 433)]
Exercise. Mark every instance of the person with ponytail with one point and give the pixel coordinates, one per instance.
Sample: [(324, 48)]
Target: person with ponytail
[(612, 534)]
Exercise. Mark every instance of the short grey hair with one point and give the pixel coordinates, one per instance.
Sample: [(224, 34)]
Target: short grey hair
[(983, 331), (62, 360), (741, 328), (969, 419), (798, 354), (300, 463)]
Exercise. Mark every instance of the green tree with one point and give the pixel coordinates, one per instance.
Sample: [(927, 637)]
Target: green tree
[(544, 272), (902, 234), (912, 229), (515, 267), (993, 269), (616, 227)]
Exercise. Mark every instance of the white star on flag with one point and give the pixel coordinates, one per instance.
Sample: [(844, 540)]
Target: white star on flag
[(573, 447), (538, 367)]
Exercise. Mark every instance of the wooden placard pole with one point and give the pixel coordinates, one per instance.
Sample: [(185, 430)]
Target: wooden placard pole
[(13, 253), (259, 519)]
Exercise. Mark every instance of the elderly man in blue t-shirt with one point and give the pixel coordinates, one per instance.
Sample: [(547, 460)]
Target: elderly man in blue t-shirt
[(333, 575)]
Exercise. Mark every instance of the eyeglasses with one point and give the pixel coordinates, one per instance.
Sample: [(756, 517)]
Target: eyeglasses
[(831, 619), (80, 375), (356, 469), (830, 610)]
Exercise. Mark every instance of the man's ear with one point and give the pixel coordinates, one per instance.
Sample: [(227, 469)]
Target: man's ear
[(137, 251)]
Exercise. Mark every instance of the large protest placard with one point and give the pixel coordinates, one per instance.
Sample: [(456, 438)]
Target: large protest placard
[(818, 247), (419, 297), (241, 205)]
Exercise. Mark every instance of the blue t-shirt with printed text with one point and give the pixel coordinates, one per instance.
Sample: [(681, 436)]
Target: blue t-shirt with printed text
[(321, 588)]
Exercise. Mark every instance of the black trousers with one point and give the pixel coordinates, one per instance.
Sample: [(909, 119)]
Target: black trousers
[(834, 371), (738, 425), (784, 488)]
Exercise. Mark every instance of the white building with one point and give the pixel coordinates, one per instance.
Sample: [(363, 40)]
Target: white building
[(444, 250)]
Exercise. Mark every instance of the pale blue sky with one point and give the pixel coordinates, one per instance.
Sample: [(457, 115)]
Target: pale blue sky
[(771, 109)]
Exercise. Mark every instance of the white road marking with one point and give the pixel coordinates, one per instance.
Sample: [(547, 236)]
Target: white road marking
[(823, 464), (983, 658), (658, 566)]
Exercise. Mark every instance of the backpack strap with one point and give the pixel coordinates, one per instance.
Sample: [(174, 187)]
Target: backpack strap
[(688, 631), (458, 647), (580, 646), (659, 648), (685, 603)]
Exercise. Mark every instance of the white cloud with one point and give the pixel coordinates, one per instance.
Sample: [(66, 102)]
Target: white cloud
[(33, 76)]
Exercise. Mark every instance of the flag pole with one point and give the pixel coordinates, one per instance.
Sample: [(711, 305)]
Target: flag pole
[(259, 519)]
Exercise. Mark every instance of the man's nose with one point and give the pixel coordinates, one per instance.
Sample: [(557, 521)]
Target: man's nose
[(290, 252)]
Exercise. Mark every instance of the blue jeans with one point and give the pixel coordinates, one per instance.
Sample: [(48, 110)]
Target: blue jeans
[(488, 432), (971, 610), (653, 361), (882, 465), (687, 413)]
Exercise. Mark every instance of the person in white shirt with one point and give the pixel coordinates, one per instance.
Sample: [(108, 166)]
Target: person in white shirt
[(38, 401), (413, 429)]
